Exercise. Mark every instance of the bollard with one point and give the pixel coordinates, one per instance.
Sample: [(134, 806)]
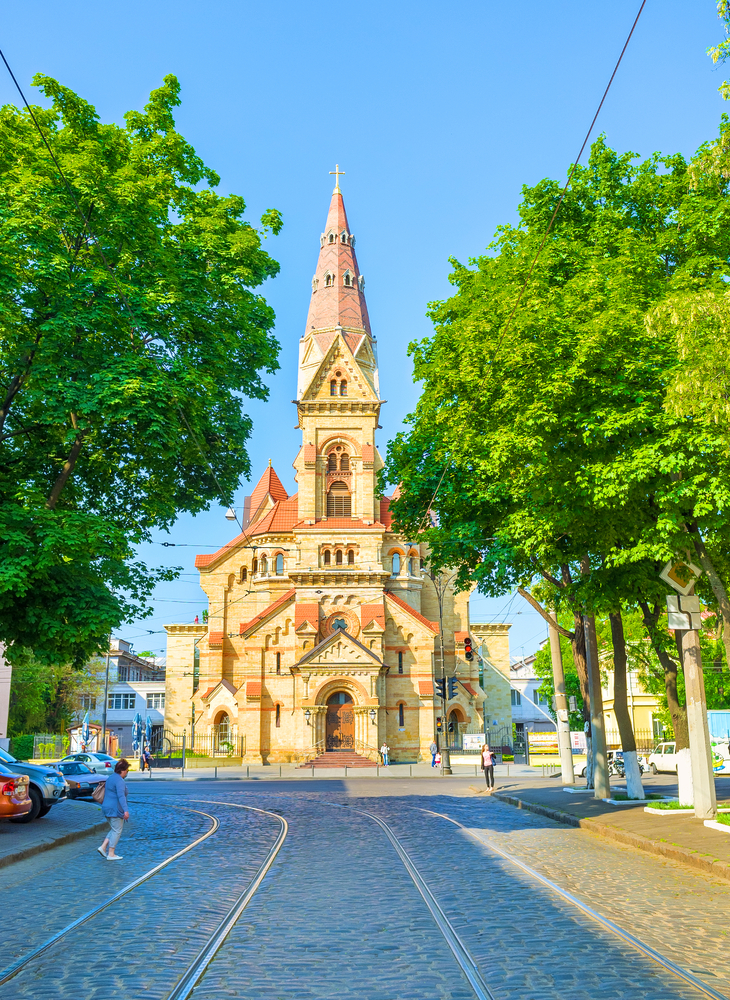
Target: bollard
[(312, 770), (508, 770), (345, 770), (475, 771), (377, 770), (410, 770), (247, 770), (279, 770), (216, 774)]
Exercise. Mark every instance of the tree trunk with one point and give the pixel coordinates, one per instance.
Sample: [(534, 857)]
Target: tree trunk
[(718, 587), (634, 788), (670, 667), (68, 468)]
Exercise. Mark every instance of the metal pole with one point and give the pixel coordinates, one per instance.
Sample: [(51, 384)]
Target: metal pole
[(561, 704), (183, 754), (601, 783), (106, 699), (445, 755)]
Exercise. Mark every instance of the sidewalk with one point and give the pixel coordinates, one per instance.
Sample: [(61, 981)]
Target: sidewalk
[(275, 771), (679, 837), (67, 821)]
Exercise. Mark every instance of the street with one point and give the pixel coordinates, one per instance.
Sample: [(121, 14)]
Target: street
[(338, 914)]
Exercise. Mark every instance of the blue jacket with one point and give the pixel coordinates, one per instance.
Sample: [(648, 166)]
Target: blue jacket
[(115, 796)]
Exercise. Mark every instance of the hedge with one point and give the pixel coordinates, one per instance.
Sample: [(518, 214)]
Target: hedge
[(22, 746)]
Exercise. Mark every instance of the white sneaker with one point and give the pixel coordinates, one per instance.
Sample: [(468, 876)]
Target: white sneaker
[(102, 852)]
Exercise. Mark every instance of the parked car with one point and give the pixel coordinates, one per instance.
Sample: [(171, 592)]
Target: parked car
[(14, 799), (615, 764), (102, 763), (80, 779), (663, 758), (47, 785)]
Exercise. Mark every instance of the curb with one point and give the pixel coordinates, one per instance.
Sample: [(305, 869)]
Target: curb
[(635, 840), (47, 845)]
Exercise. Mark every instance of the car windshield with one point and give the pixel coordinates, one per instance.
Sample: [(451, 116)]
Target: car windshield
[(103, 756), (7, 757), (74, 768)]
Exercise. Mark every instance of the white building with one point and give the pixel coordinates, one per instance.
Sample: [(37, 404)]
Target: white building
[(529, 709)]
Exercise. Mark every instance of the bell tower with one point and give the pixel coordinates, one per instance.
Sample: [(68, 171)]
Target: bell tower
[(338, 391)]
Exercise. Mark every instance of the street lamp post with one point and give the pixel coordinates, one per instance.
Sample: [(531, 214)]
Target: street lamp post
[(106, 698), (440, 586)]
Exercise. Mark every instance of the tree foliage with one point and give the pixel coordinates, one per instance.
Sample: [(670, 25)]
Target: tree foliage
[(130, 333)]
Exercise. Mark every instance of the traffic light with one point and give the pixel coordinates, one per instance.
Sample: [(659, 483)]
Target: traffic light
[(468, 651), (440, 687), (438, 723), (452, 687)]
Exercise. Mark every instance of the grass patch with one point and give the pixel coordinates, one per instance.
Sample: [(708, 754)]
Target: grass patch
[(623, 797), (723, 818), (672, 805)]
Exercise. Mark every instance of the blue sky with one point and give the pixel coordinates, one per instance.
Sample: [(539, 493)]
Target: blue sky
[(438, 114)]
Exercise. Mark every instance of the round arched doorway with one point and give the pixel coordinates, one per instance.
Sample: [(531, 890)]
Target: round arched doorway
[(340, 725)]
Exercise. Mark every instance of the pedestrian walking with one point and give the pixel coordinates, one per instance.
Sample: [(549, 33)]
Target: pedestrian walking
[(384, 751), (438, 759), (114, 806), (433, 750), (145, 760), (488, 765)]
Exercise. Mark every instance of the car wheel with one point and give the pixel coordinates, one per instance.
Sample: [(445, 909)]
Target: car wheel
[(35, 797), (44, 810), (653, 768), (583, 773)]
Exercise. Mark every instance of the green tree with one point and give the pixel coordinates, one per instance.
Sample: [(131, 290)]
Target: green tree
[(721, 52), (46, 698), (130, 333)]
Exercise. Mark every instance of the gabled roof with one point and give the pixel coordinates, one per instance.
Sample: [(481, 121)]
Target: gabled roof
[(222, 683), (283, 516), (330, 641), (268, 612), (268, 485), (431, 626), (372, 613), (306, 613)]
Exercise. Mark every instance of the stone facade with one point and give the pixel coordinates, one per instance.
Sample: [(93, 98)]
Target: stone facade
[(318, 599), (493, 639)]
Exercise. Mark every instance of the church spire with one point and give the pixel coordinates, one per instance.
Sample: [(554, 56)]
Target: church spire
[(338, 299)]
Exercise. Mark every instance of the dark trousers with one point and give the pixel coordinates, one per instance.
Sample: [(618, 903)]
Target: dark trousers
[(489, 775)]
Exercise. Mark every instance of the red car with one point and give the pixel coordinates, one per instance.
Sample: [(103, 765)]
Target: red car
[(14, 799)]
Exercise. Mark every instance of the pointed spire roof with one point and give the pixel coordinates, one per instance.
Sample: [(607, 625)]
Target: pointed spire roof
[(269, 485), (337, 289)]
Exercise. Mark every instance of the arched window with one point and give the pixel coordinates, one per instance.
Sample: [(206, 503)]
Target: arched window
[(350, 557), (343, 237), (328, 280), (332, 459), (332, 238), (278, 716), (280, 565), (396, 564), (327, 557), (244, 574), (343, 388), (339, 503), (264, 566), (254, 567), (401, 717), (338, 557), (345, 463), (347, 280), (278, 663), (400, 662), (412, 567)]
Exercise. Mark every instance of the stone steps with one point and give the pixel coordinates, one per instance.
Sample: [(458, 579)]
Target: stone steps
[(339, 758)]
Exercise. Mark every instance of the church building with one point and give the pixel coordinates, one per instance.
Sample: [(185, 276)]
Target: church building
[(324, 631)]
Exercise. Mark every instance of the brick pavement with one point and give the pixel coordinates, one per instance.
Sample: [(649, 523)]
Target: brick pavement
[(67, 821)]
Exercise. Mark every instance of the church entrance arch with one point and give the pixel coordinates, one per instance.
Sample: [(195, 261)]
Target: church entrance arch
[(340, 723)]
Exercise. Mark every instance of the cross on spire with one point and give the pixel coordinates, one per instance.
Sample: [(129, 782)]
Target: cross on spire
[(337, 172)]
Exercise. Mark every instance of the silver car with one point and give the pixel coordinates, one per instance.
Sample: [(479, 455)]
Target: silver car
[(102, 763)]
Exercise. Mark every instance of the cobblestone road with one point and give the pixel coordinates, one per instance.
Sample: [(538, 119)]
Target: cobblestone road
[(338, 916)]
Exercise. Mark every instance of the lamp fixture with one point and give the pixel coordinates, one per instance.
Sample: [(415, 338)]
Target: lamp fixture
[(307, 715), (231, 514), (372, 715)]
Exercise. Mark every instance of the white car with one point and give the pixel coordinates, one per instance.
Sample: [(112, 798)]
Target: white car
[(663, 758), (101, 763)]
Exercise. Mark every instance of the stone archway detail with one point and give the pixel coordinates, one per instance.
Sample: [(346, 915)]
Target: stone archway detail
[(332, 624)]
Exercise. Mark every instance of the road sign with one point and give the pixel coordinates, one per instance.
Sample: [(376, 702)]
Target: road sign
[(680, 575)]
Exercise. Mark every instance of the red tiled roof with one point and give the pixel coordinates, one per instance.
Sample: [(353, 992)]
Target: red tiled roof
[(209, 691), (245, 626), (309, 452), (338, 523), (283, 516), (306, 613), (460, 636), (372, 613), (469, 688), (433, 626), (253, 689), (384, 512), (425, 689), (268, 485), (215, 638), (368, 453)]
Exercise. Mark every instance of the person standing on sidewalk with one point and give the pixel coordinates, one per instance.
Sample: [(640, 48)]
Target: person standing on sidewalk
[(115, 809), (488, 765), (433, 750), (385, 750)]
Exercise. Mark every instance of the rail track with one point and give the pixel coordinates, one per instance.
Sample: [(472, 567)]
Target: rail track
[(184, 986)]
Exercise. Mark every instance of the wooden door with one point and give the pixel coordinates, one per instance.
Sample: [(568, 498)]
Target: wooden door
[(340, 723)]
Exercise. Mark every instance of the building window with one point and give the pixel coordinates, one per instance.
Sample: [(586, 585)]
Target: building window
[(515, 697), (329, 280), (339, 502), (264, 566), (343, 237), (331, 238), (401, 717), (412, 567), (278, 663), (244, 574), (345, 463), (396, 564), (332, 460), (278, 716), (338, 557), (347, 281), (343, 388), (350, 557), (400, 662), (156, 700), (327, 557), (196, 669), (280, 565), (121, 702), (254, 567), (333, 392), (88, 704)]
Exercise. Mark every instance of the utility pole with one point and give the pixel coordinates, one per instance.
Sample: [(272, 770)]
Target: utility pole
[(561, 704), (106, 698), (440, 586), (601, 784), (686, 610)]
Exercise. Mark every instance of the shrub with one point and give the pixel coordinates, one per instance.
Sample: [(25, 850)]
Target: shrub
[(22, 746)]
